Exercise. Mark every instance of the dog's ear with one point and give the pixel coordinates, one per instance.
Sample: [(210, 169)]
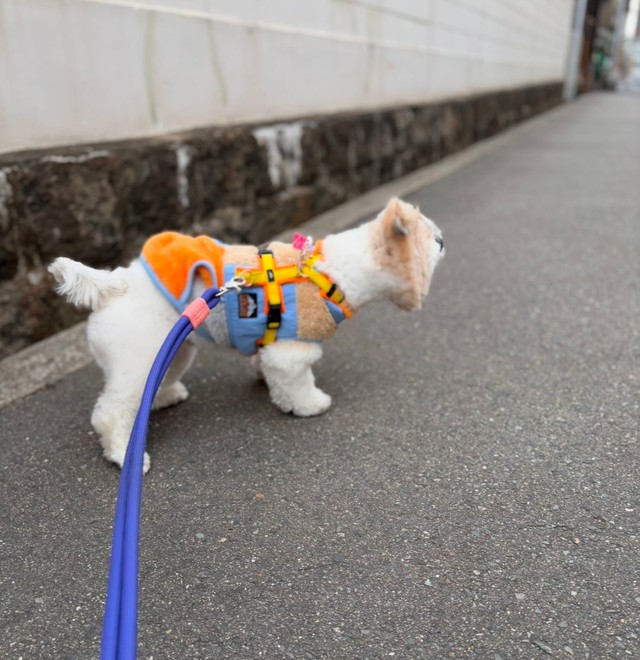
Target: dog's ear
[(399, 227), (394, 219)]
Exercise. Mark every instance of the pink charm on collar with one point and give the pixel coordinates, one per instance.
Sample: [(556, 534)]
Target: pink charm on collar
[(300, 241)]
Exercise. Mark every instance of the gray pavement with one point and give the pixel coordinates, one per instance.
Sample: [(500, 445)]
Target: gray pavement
[(473, 492)]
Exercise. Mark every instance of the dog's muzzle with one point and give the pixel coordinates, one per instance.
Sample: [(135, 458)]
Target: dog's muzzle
[(440, 242)]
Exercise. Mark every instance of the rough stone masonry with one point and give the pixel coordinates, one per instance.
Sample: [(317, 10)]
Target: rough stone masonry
[(97, 203)]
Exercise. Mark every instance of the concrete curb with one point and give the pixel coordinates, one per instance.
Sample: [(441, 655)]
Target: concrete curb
[(50, 360), (43, 364)]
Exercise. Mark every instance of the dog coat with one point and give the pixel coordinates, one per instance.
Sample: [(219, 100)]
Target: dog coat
[(266, 309)]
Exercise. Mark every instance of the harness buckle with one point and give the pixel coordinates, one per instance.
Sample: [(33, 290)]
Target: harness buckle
[(274, 316)]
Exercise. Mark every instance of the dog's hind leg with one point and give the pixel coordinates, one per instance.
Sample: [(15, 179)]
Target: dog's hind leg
[(172, 390), (125, 343), (114, 414), (117, 406), (287, 369)]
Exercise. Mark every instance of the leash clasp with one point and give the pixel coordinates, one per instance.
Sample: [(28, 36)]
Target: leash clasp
[(234, 284)]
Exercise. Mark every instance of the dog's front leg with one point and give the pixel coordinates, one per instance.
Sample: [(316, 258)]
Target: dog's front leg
[(286, 366)]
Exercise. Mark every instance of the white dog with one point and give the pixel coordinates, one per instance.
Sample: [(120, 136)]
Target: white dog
[(295, 295)]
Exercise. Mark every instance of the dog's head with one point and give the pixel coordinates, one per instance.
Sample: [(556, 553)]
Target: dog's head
[(408, 245)]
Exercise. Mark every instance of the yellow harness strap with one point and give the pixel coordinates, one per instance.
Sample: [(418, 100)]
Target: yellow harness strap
[(273, 296), (328, 288), (271, 278)]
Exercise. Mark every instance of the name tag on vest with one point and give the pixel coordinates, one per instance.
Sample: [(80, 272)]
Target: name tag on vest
[(247, 305)]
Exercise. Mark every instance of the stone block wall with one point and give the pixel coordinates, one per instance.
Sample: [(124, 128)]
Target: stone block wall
[(97, 203)]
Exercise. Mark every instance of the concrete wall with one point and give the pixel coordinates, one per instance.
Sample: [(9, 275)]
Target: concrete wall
[(76, 71)]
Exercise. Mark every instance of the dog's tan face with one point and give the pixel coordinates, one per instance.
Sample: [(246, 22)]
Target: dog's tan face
[(408, 245)]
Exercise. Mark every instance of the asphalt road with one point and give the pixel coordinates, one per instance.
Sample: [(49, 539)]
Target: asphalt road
[(473, 492)]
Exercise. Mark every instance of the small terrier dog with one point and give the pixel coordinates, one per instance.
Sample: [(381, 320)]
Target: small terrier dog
[(294, 297)]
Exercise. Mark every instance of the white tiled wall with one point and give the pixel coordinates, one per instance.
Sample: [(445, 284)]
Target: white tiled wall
[(91, 70)]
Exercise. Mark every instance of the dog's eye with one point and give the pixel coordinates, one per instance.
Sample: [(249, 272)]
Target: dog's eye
[(440, 242)]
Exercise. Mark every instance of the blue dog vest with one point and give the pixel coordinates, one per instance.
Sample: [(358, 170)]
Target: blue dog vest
[(174, 261)]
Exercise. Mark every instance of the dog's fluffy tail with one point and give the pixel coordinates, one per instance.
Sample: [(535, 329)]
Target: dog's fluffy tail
[(84, 286)]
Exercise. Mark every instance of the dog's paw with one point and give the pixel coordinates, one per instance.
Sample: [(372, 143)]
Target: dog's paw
[(315, 404), (117, 457), (170, 395)]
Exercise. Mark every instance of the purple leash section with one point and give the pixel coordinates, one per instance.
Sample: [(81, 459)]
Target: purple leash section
[(120, 625)]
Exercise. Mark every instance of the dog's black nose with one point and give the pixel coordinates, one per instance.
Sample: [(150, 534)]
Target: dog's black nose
[(440, 242)]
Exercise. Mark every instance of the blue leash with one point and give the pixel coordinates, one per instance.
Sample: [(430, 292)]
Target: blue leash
[(119, 632)]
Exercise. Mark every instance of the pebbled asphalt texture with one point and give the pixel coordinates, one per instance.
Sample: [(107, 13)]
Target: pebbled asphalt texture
[(472, 493)]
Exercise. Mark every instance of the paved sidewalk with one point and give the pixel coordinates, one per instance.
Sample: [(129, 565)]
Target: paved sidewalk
[(473, 492)]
